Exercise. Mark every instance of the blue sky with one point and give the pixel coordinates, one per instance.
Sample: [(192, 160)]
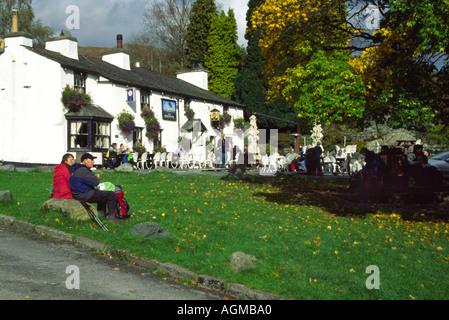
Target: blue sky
[(101, 20)]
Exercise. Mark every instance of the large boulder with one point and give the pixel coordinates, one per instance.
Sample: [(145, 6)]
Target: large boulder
[(240, 261), (149, 230), (5, 195), (124, 167), (68, 208), (7, 167)]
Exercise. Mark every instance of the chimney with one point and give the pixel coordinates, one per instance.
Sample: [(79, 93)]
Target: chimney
[(119, 41), (118, 57), (15, 20)]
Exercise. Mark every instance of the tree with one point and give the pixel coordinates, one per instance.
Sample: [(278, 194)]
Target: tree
[(166, 27), (25, 12), (223, 55), (200, 21), (397, 62), (41, 33)]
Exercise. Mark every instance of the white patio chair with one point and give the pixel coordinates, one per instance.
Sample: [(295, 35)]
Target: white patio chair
[(184, 160), (264, 161), (196, 161), (273, 163), (282, 163), (143, 161), (210, 160), (163, 158), (156, 159), (169, 159)]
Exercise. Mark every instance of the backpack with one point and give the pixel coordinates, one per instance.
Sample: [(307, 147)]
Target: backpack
[(123, 211)]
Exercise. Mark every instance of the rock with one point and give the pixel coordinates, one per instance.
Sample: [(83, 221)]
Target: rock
[(5, 195), (7, 167), (240, 261), (68, 208), (45, 169), (399, 134), (149, 230), (125, 167)]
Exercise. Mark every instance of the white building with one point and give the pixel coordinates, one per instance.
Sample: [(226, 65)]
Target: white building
[(36, 128)]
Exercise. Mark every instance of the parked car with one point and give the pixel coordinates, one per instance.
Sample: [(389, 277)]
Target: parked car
[(441, 162)]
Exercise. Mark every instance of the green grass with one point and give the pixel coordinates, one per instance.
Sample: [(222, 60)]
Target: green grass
[(308, 244)]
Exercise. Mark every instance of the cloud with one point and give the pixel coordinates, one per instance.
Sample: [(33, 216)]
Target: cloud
[(101, 20)]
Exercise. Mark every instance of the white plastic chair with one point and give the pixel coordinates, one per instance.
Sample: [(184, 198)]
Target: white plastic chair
[(143, 161), (163, 158), (264, 161), (184, 160), (169, 159), (156, 159), (210, 160), (273, 163)]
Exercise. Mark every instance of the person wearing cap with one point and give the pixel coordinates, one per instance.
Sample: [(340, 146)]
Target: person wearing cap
[(83, 182)]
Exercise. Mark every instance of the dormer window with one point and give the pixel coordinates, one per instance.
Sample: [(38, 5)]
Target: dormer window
[(80, 82)]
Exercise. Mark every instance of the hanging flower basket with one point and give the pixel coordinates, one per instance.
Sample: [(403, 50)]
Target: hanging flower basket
[(139, 147), (153, 126), (189, 113), (74, 100), (126, 123)]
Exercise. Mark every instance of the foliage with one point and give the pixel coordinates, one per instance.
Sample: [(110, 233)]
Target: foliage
[(165, 23), (73, 99), (25, 12), (223, 58), (153, 127), (189, 113), (325, 89), (126, 123), (139, 147), (200, 21), (239, 123)]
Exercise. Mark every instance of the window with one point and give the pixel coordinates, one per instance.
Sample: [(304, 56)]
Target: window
[(79, 135), (138, 135), (80, 82), (144, 99), (89, 135), (102, 135)]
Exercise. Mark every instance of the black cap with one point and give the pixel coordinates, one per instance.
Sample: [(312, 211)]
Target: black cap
[(87, 156)]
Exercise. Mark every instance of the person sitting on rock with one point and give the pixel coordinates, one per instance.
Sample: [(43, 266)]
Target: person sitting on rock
[(61, 188), (83, 185)]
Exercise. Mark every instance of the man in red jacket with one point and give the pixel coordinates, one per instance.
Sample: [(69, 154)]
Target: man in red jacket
[(61, 188)]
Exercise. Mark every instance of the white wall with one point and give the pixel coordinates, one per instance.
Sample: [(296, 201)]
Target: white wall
[(30, 106)]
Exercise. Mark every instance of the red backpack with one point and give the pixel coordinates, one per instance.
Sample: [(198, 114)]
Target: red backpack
[(123, 211)]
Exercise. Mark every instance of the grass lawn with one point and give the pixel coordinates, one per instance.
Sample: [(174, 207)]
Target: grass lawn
[(308, 244)]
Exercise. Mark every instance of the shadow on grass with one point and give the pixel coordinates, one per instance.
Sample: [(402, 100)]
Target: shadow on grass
[(333, 195)]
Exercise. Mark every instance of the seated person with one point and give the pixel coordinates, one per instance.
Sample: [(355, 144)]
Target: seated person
[(374, 164), (83, 185), (61, 188), (292, 159), (112, 156), (128, 157), (417, 163)]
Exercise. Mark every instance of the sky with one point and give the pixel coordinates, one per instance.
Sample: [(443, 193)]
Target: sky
[(97, 23)]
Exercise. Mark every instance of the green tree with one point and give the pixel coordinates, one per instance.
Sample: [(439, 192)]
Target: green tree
[(223, 55), (25, 12), (201, 17)]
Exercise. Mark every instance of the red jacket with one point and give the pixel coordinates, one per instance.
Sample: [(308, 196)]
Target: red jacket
[(61, 188)]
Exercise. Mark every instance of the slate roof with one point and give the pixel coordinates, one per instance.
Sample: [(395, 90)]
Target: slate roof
[(137, 77), (90, 111)]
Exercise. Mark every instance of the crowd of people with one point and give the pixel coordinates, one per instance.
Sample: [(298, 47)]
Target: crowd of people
[(308, 160)]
